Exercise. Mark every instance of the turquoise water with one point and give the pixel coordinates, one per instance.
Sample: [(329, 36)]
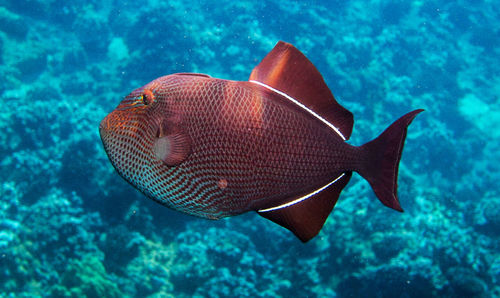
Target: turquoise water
[(70, 226)]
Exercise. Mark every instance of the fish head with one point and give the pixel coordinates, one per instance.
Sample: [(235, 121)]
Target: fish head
[(140, 134)]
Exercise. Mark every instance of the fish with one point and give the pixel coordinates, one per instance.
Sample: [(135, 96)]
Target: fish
[(275, 144)]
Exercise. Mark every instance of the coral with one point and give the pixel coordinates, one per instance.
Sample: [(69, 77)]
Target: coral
[(391, 281), (70, 226), (85, 278), (12, 24), (386, 246), (17, 257), (151, 271), (52, 227), (223, 263), (466, 283), (486, 216), (67, 231), (120, 246)]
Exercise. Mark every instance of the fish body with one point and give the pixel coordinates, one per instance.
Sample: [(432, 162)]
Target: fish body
[(275, 144)]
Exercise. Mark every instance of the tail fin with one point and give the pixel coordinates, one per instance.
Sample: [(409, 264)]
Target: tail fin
[(382, 157)]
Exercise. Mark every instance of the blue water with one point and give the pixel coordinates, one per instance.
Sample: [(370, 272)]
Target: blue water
[(70, 226)]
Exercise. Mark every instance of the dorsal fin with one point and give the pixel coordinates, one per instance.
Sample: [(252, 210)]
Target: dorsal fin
[(287, 70), (195, 74), (306, 217)]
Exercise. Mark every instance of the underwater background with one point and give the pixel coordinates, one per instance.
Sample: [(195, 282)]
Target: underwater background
[(71, 227)]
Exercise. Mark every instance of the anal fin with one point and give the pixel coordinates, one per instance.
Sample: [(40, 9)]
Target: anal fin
[(306, 217)]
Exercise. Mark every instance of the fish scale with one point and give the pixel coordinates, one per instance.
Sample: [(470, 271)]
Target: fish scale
[(216, 142), (275, 144)]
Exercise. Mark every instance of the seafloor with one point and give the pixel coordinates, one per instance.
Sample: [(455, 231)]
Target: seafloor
[(71, 227)]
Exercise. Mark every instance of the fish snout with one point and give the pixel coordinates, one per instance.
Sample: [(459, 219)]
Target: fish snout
[(105, 129), (117, 124)]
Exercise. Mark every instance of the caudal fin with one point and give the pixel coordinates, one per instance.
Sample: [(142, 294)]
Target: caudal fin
[(381, 161)]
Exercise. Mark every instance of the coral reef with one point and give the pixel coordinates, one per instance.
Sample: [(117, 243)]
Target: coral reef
[(71, 227)]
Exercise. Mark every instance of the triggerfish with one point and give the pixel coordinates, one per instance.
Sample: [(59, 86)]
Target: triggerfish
[(275, 144)]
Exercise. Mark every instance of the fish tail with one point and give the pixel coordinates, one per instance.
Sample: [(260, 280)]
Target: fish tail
[(381, 160)]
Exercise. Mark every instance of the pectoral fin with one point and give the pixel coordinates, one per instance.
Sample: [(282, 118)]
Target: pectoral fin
[(172, 148)]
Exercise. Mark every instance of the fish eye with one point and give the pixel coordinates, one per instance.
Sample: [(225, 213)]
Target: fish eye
[(147, 97)]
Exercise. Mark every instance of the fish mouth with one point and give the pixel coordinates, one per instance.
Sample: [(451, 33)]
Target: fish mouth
[(108, 136), (103, 128), (104, 131)]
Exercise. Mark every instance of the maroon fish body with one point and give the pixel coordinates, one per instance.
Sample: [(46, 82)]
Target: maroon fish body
[(275, 144)]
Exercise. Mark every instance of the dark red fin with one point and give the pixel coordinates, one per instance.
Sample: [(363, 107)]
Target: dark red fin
[(306, 218), (286, 69), (381, 161)]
